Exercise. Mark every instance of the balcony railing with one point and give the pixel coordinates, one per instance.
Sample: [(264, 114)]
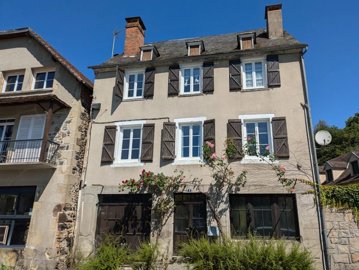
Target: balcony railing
[(27, 151)]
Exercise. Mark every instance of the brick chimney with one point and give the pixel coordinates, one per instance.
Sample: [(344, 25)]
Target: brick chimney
[(135, 36), (273, 15)]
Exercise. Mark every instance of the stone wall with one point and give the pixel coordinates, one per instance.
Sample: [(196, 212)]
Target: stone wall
[(343, 234)]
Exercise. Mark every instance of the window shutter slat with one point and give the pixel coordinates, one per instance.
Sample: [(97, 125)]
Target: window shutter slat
[(108, 147), (273, 73), (209, 132), (208, 78), (280, 137), (235, 82), (168, 142), (173, 80), (149, 82), (148, 135), (118, 88), (234, 133)]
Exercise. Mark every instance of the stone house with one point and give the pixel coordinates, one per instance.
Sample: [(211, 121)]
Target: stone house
[(156, 105), (44, 115)]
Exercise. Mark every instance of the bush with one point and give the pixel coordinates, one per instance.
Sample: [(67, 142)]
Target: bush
[(145, 257), (250, 255)]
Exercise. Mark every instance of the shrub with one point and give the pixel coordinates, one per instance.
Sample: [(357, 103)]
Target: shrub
[(145, 257), (250, 255)]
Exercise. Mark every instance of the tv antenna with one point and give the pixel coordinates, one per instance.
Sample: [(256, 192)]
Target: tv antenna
[(323, 137), (114, 37)]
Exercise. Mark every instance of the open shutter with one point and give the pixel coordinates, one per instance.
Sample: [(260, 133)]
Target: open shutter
[(168, 142), (148, 135), (149, 82), (118, 88), (173, 80), (235, 81), (273, 73), (234, 133), (108, 147), (209, 132), (208, 78), (280, 137)]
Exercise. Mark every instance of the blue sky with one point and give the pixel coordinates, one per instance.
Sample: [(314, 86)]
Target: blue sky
[(82, 32)]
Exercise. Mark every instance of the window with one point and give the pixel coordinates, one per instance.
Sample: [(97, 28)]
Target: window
[(15, 213), (191, 80), (6, 129), (191, 140), (257, 137), (44, 80), (329, 175), (355, 167), (134, 85), (263, 215), (253, 74), (130, 143), (14, 83)]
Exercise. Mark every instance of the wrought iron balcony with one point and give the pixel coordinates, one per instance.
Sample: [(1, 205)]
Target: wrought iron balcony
[(28, 151)]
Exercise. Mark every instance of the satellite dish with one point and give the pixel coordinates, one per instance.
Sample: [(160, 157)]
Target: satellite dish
[(323, 137)]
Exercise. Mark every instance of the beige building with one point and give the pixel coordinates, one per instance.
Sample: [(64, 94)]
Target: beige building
[(44, 104), (157, 104)]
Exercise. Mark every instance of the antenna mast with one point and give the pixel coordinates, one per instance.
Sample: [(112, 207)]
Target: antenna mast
[(114, 36)]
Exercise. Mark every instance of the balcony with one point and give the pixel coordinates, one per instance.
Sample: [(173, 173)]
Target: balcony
[(22, 153)]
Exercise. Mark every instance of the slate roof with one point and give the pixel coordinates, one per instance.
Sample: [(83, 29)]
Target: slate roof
[(215, 44), (20, 32)]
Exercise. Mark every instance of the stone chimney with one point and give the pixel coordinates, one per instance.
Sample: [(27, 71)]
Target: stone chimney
[(274, 19), (135, 36)]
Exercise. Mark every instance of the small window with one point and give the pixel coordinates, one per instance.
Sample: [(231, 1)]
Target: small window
[(191, 140), (14, 83), (355, 167), (246, 43), (263, 215), (130, 143), (146, 55), (253, 74), (134, 85), (329, 175), (195, 47), (257, 137), (44, 80), (191, 80)]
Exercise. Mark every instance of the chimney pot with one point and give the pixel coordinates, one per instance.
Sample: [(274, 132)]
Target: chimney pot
[(135, 36), (273, 15)]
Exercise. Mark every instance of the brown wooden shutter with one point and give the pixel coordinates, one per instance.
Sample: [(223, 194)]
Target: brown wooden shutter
[(108, 147), (148, 135), (273, 74), (209, 132), (118, 88), (234, 133), (173, 80), (168, 143), (235, 81), (208, 78), (149, 82), (280, 137)]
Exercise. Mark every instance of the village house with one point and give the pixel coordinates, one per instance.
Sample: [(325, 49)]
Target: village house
[(44, 115)]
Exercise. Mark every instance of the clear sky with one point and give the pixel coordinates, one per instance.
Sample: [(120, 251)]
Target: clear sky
[(81, 31)]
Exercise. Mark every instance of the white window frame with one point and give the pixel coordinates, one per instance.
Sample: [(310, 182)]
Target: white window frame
[(17, 74), (183, 67), (253, 61), (126, 83), (118, 162), (47, 71), (251, 118), (179, 160)]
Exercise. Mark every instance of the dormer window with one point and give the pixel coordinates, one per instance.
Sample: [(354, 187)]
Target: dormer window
[(195, 48), (246, 41), (329, 174), (355, 167), (149, 52)]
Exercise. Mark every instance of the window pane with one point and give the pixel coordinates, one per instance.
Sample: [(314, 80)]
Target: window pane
[(124, 154), (196, 129), (137, 133), (263, 127), (125, 144), (185, 141), (185, 151), (195, 152), (187, 80), (139, 85), (248, 74), (263, 138), (136, 143), (185, 130), (259, 73), (126, 133), (19, 82), (11, 81), (50, 79), (135, 154), (196, 79)]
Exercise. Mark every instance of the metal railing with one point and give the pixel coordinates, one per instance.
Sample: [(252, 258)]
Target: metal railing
[(24, 151)]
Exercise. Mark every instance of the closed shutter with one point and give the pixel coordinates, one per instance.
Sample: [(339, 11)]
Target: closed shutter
[(168, 142), (149, 82), (173, 80), (108, 147), (235, 81), (208, 78), (280, 137), (209, 132), (118, 88), (234, 133), (273, 73), (148, 135)]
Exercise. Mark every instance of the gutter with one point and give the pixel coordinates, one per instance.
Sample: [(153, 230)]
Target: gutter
[(313, 157)]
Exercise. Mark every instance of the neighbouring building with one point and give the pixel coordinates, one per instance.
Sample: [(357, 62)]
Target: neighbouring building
[(154, 107), (44, 116)]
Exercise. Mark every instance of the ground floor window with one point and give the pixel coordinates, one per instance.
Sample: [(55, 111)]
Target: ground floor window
[(15, 213), (127, 217), (264, 215)]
